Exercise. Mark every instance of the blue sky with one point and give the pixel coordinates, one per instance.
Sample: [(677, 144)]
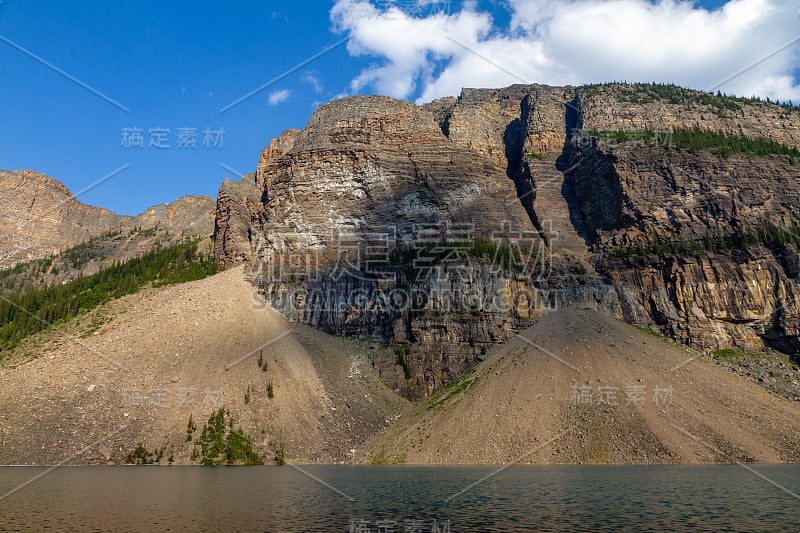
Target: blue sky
[(171, 67)]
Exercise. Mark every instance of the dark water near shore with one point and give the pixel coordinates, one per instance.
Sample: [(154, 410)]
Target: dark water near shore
[(389, 499)]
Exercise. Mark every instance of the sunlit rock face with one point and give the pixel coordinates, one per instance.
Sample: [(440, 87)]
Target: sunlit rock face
[(446, 227)]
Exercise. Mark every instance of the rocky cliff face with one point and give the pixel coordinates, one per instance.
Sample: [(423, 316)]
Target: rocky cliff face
[(613, 107), (39, 217), (360, 225), (188, 216), (443, 228), (747, 298), (740, 293), (743, 295)]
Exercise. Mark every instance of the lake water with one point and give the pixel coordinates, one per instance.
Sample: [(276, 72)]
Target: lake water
[(390, 499)]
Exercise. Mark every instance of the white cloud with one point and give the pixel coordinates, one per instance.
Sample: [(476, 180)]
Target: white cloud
[(312, 80), (562, 42), (278, 97)]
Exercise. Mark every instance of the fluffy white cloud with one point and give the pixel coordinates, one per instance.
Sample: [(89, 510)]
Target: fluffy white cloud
[(278, 97), (560, 42)]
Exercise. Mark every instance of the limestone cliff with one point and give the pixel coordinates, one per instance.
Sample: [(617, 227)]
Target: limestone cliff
[(188, 216), (443, 228), (40, 217)]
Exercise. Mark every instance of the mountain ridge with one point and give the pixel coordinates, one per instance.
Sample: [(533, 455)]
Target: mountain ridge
[(474, 250), (41, 217)]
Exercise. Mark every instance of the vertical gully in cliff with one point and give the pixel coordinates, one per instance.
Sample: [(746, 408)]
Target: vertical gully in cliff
[(518, 169), (566, 163)]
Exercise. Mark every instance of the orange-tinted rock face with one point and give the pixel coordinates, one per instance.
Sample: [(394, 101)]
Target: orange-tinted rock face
[(40, 217)]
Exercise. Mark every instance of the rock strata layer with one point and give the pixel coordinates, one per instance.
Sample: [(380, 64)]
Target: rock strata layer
[(444, 228)]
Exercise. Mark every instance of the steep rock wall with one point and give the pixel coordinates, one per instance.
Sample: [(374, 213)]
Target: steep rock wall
[(351, 209)]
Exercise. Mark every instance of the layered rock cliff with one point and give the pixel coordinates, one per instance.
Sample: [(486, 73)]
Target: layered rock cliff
[(443, 228), (40, 218), (360, 224)]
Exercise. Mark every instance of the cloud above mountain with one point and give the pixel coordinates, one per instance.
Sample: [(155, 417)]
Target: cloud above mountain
[(278, 97), (743, 47)]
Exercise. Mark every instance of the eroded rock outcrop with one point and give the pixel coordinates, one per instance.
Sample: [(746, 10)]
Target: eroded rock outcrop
[(746, 299), (40, 217), (376, 198)]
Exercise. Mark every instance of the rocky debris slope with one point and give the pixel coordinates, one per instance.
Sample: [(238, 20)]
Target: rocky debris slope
[(373, 202), (83, 395), (582, 387), (771, 371)]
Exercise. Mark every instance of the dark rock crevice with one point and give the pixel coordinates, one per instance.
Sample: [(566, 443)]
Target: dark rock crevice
[(518, 170), (573, 124), (594, 192)]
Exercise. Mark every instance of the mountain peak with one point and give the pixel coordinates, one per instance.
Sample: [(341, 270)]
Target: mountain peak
[(41, 216)]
